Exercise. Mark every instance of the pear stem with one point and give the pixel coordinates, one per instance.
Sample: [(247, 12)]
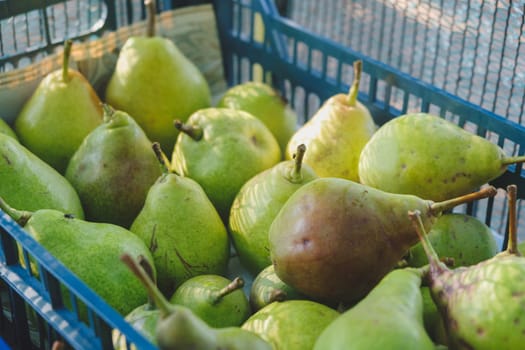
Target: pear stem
[(513, 160), (433, 259), (150, 17), (20, 216), (512, 245), (154, 293), (237, 283), (108, 112), (192, 131), (277, 295), (163, 160), (65, 62), (298, 156), (439, 207), (146, 266), (354, 89)]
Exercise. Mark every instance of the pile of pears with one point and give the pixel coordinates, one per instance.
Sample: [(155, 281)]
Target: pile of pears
[(341, 227)]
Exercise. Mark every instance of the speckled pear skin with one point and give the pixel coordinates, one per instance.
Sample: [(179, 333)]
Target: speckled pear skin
[(428, 156), (235, 146), (88, 249), (481, 305), (257, 204), (335, 239), (291, 324), (389, 317), (113, 169), (461, 237), (265, 103), (155, 83), (29, 183)]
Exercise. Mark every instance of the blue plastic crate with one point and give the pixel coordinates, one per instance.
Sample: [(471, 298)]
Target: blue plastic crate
[(308, 69)]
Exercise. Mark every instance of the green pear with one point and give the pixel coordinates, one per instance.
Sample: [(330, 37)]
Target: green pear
[(432, 319), (336, 134), (389, 317), (335, 239), (63, 109), (91, 251), (179, 328), (430, 157), (461, 237), (267, 287), (215, 299), (6, 129), (113, 169), (156, 83), (256, 205), (182, 229), (481, 305), (291, 324), (29, 183), (221, 149), (265, 103)]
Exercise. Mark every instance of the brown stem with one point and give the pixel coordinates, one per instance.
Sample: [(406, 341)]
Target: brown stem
[(277, 295), (192, 131), (512, 245), (237, 283), (439, 207), (65, 62), (298, 156), (20, 216), (354, 89), (150, 17), (154, 293), (108, 112), (149, 271), (433, 259), (163, 160)]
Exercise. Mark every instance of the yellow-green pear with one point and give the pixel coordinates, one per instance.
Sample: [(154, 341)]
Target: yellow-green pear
[(336, 134), (6, 129), (63, 109), (156, 83)]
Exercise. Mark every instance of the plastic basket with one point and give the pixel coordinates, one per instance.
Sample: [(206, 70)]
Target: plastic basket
[(256, 43)]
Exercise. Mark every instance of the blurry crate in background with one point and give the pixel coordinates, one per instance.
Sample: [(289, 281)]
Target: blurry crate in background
[(308, 65)]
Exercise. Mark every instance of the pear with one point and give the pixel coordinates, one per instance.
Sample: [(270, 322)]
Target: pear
[(258, 202), (389, 317), (215, 299), (481, 305), (113, 169), (335, 239), (291, 324), (91, 251), (156, 83), (221, 149), (179, 328), (265, 103), (461, 237), (29, 183), (430, 157), (182, 229), (63, 109), (267, 287), (336, 134), (6, 129)]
